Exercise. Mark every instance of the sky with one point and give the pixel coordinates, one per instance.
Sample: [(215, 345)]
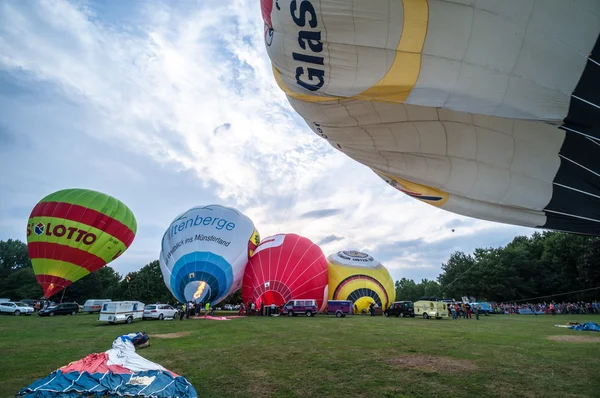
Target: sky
[(168, 105)]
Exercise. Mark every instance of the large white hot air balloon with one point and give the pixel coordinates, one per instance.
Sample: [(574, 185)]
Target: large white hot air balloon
[(485, 108), (204, 253)]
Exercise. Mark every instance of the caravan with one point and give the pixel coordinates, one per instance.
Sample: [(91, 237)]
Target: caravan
[(121, 311), (94, 305)]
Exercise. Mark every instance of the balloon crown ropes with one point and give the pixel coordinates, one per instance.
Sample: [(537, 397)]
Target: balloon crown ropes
[(204, 252), (73, 232)]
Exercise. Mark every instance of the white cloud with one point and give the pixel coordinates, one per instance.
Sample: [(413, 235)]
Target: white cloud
[(136, 99)]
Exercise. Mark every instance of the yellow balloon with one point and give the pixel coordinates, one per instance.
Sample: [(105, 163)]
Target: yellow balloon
[(361, 278)]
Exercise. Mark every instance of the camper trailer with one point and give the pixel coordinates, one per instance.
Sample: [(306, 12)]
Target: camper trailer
[(431, 307), (94, 305), (121, 311)]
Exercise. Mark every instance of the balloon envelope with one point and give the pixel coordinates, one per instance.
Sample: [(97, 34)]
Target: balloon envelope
[(285, 267), (359, 277), (204, 252), (73, 232), (488, 109)]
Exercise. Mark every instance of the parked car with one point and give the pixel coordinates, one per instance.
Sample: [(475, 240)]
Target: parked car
[(159, 311), (121, 311), (340, 308), (228, 307), (295, 307), (94, 305), (60, 309), (15, 308), (401, 309)]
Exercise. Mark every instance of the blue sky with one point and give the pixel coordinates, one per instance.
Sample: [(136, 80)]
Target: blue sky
[(168, 105)]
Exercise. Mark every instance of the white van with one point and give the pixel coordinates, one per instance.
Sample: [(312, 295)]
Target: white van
[(121, 311), (94, 305)]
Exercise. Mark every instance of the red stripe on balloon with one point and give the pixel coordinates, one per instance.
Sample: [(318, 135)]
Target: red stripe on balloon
[(55, 251), (86, 216), (52, 284)]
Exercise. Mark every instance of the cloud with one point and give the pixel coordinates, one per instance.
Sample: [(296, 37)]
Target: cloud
[(169, 105), (329, 239), (323, 213)]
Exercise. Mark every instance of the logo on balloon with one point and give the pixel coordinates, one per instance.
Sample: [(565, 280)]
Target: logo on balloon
[(354, 255), (60, 230), (39, 228), (269, 36)]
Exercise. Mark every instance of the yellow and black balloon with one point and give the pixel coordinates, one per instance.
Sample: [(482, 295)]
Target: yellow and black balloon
[(361, 278), (490, 109)]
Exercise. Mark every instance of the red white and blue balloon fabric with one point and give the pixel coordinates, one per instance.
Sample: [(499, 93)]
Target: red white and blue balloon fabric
[(117, 372)]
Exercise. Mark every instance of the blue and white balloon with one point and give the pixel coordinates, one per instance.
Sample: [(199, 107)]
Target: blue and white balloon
[(204, 253)]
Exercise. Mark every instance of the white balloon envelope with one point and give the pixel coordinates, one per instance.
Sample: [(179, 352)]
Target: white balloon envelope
[(490, 109), (204, 252)]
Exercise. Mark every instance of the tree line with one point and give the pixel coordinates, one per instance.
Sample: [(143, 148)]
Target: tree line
[(17, 281), (538, 268), (545, 264)]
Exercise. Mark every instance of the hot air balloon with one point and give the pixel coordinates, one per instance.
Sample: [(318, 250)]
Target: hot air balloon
[(361, 278), (73, 232), (488, 109), (286, 267), (204, 252)]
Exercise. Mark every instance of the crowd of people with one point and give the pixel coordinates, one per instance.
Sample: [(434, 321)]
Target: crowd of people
[(553, 308)]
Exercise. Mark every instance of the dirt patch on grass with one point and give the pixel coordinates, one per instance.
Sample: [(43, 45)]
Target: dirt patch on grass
[(171, 335), (433, 364), (575, 339)]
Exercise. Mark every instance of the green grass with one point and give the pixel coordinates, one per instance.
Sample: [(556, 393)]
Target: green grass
[(500, 355)]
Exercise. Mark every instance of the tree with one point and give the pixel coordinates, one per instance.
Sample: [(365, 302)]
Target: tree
[(146, 285)]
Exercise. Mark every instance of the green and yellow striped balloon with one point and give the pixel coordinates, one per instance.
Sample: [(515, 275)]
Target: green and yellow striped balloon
[(73, 232)]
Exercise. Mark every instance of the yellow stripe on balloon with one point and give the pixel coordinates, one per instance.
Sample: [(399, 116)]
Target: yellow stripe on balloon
[(402, 76), (59, 268), (415, 190), (302, 97), (105, 246)]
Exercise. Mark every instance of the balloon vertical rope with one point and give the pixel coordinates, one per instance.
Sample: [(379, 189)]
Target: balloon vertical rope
[(63, 295)]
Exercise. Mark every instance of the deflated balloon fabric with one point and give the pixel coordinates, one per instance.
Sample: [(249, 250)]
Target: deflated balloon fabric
[(588, 326), (117, 372)]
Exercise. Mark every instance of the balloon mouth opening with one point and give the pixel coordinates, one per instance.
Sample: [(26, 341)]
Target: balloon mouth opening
[(270, 297), (197, 291), (364, 302)]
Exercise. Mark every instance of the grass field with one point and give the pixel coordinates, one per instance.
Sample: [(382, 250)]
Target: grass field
[(497, 356)]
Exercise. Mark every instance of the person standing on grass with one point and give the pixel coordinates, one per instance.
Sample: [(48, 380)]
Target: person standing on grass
[(182, 311), (207, 309), (476, 309), (453, 311)]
